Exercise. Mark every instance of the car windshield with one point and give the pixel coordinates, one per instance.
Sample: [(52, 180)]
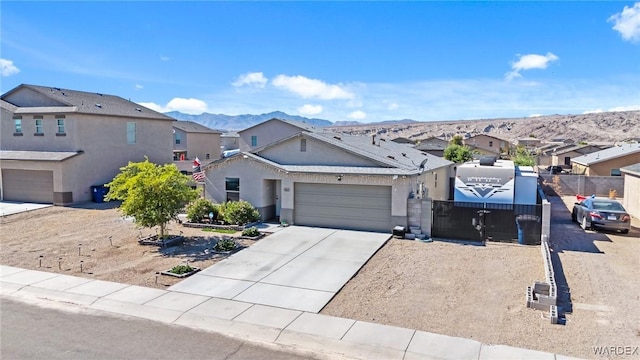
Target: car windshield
[(607, 205)]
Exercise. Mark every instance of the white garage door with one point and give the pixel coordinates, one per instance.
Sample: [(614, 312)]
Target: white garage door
[(27, 185), (357, 207)]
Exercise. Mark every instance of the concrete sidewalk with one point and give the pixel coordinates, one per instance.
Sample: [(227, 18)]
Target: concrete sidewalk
[(325, 335)]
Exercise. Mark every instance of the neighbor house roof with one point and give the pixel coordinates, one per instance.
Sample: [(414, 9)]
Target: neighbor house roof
[(299, 124), (632, 169), (193, 127), (432, 143), (37, 155), (607, 154), (576, 148), (66, 100)]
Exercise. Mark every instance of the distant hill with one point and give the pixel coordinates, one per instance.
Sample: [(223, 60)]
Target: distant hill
[(239, 122), (605, 127)]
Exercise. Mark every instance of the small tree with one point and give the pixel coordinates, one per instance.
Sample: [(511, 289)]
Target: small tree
[(523, 157), (458, 153), (152, 194)]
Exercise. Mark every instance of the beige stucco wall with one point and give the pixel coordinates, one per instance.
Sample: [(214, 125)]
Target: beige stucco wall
[(604, 168), (255, 188), (199, 144), (102, 139), (631, 199), (267, 132), (486, 143), (317, 153)]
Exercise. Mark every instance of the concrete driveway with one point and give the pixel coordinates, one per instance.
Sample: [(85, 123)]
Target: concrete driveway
[(10, 207), (298, 268)]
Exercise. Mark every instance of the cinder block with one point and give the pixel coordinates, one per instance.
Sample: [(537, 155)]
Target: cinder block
[(553, 314), (410, 236), (541, 288)]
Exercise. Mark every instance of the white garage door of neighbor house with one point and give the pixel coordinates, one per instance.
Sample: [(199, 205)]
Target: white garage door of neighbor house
[(356, 207), (27, 185)]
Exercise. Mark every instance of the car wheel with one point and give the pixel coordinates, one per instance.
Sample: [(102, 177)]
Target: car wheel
[(574, 217), (584, 224), (625, 231)]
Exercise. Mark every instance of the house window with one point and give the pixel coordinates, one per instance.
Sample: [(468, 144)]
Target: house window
[(567, 160), (232, 186), (60, 122), (490, 143), (39, 126), (254, 140), (616, 172), (303, 145), (207, 156), (177, 138), (17, 122), (131, 133)]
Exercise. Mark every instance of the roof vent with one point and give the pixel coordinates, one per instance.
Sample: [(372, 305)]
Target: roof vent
[(337, 137), (381, 139), (99, 106), (391, 157), (404, 154), (99, 94), (487, 160), (138, 109)]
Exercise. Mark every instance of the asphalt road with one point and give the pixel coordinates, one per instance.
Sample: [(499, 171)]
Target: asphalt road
[(32, 332)]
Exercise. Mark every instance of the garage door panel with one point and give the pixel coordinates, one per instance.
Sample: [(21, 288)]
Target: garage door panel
[(27, 185), (359, 207)]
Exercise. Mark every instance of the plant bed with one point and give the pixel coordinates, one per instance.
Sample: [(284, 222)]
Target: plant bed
[(181, 271), (213, 226), (251, 233), (225, 246), (155, 240)]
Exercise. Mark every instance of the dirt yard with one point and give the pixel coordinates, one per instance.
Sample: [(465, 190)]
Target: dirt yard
[(61, 232), (478, 292)]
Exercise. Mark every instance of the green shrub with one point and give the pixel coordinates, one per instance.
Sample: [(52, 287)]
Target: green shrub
[(224, 245), (200, 209), (181, 269), (238, 212), (251, 232)]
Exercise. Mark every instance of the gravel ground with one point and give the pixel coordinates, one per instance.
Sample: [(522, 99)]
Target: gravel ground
[(477, 292), (56, 232)]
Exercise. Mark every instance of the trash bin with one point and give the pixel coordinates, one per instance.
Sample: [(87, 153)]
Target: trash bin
[(528, 229), (99, 192)]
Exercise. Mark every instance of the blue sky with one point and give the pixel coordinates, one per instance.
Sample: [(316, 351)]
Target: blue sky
[(364, 61)]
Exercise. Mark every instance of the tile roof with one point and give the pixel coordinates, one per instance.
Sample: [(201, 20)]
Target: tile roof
[(193, 127), (37, 155), (87, 103), (608, 154)]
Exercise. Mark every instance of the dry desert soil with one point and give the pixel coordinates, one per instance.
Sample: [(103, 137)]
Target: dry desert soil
[(451, 288)]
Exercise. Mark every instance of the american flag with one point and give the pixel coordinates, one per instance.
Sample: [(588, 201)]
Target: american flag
[(198, 173)]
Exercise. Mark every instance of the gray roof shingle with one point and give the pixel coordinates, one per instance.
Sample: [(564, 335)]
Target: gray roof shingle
[(37, 155), (86, 103), (608, 154), (633, 169), (193, 127)]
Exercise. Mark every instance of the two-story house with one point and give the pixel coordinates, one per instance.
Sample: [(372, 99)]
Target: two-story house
[(191, 140), (57, 143), (488, 145)]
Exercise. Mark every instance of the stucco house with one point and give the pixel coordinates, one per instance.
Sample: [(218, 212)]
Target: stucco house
[(631, 200), (564, 156), (191, 140), (606, 162), (57, 143), (310, 177), (487, 145)]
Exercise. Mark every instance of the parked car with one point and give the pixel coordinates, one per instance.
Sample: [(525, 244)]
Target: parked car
[(555, 169), (601, 213)]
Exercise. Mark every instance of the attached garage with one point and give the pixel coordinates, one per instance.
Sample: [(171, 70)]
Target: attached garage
[(357, 207), (27, 185)]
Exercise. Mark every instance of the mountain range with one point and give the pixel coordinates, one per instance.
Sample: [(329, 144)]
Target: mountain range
[(604, 127)]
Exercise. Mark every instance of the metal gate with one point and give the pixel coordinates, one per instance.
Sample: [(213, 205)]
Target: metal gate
[(486, 221)]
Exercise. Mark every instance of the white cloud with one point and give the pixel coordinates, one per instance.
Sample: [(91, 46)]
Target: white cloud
[(529, 61), (187, 106), (614, 109), (7, 68), (392, 106), (358, 115), (535, 115), (254, 79), (308, 109), (311, 88), (164, 58), (627, 22), (138, 86)]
